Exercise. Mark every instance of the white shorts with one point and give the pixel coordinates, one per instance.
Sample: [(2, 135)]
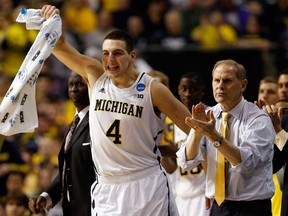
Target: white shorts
[(138, 194), (195, 206)]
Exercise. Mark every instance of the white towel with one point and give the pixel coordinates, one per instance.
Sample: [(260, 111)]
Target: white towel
[(18, 111)]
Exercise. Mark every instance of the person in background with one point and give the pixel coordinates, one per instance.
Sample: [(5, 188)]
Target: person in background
[(268, 90), (213, 32), (16, 204), (283, 84), (76, 170), (137, 30), (190, 184), (14, 183), (282, 107), (160, 76), (268, 95), (244, 152), (280, 124), (105, 26), (172, 35), (10, 161)]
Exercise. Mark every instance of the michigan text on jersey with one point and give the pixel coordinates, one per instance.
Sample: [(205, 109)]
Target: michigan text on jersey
[(118, 107)]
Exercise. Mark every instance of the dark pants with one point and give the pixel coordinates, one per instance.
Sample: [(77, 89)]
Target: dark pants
[(66, 208), (242, 208)]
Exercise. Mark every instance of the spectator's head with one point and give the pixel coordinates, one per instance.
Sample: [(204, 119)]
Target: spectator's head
[(44, 86), (282, 106), (268, 90), (105, 20), (191, 89), (15, 182), (160, 77), (16, 204), (135, 26), (173, 22), (283, 84)]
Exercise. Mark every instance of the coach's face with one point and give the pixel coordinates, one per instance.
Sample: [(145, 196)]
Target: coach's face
[(227, 87)]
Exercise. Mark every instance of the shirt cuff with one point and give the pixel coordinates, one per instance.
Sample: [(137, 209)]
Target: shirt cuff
[(182, 161), (48, 201), (280, 139), (245, 164)]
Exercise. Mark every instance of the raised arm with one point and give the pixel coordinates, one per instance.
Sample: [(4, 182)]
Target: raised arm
[(168, 104), (89, 68)]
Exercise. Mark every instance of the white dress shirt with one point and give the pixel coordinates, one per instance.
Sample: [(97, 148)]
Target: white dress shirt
[(252, 132)]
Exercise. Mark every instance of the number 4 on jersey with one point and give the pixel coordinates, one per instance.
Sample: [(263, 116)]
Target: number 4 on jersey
[(114, 132)]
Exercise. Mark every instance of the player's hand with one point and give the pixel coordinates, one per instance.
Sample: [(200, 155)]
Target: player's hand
[(48, 11), (37, 204)]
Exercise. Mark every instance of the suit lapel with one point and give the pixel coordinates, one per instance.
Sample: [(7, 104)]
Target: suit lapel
[(78, 130)]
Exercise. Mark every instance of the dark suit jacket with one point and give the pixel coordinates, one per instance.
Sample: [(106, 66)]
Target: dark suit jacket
[(80, 173), (279, 160)]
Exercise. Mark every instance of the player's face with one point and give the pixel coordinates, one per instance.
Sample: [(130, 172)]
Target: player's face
[(190, 93), (115, 58), (227, 88)]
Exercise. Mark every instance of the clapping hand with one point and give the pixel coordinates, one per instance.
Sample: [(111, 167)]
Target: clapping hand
[(275, 116), (203, 123), (260, 103)]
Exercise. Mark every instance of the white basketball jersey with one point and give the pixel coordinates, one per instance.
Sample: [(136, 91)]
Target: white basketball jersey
[(124, 129), (191, 183)]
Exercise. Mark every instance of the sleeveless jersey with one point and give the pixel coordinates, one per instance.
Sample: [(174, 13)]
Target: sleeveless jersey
[(191, 183), (125, 131), (189, 186)]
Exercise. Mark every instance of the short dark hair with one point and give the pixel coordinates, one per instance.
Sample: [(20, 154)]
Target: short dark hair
[(121, 35), (284, 71), (268, 79), (195, 76), (18, 196)]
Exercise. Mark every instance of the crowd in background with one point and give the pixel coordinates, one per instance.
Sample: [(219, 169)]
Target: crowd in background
[(28, 162)]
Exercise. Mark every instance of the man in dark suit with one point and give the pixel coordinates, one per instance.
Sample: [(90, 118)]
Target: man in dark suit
[(72, 185)]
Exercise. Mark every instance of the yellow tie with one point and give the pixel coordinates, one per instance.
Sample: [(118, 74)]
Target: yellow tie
[(220, 170)]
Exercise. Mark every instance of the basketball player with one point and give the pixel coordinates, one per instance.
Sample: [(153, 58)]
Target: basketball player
[(188, 186), (127, 111)]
